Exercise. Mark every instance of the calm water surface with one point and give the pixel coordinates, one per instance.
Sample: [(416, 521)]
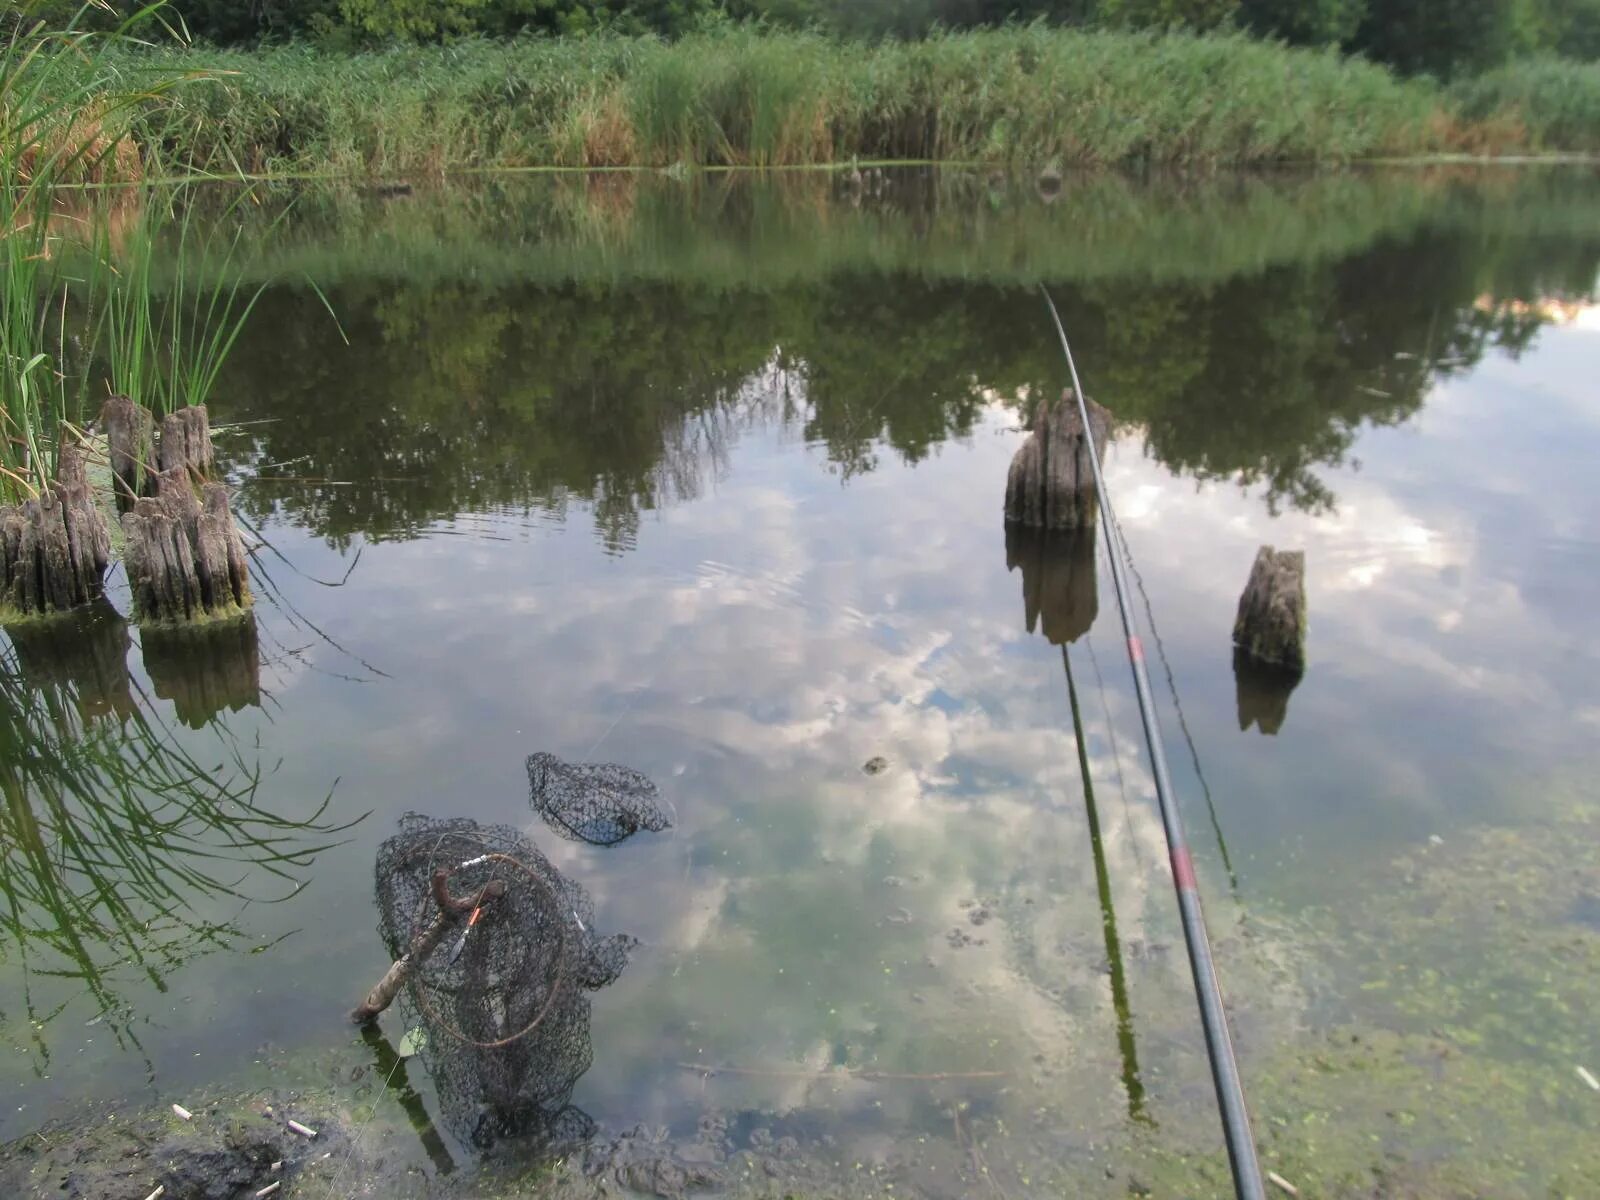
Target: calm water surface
[(706, 479)]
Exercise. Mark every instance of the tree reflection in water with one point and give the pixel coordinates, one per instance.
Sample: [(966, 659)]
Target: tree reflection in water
[(579, 373)]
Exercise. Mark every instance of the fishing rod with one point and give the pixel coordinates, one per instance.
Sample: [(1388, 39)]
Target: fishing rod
[(1247, 1183)]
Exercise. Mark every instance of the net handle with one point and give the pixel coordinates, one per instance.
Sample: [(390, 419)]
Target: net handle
[(419, 994)]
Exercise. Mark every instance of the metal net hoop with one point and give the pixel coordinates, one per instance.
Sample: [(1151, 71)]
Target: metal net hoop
[(419, 992)]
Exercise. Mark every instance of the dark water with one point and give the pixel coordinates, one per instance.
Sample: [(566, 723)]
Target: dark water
[(706, 479)]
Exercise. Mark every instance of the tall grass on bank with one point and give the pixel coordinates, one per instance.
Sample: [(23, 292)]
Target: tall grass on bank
[(1024, 95), (1540, 103)]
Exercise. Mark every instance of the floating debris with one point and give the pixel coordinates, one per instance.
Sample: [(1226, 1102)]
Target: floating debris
[(302, 1130), (1283, 1183), (183, 1114)]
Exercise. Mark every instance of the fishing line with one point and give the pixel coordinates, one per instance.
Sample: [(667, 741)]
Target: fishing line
[(1116, 754), (355, 1142), (1183, 724), (1213, 1016)]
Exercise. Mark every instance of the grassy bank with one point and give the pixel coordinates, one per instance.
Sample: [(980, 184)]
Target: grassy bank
[(1017, 96), (1542, 104)]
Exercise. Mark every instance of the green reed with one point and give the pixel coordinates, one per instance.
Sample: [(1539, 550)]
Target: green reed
[(75, 310), (1540, 103), (163, 346), (1017, 96)]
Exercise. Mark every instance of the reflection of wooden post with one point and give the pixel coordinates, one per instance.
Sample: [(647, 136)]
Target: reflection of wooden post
[(83, 654), (1262, 693), (1271, 624), (1051, 483), (204, 668), (1060, 595)]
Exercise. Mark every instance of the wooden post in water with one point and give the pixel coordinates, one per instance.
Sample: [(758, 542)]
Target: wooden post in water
[(1051, 482), (186, 442), (185, 559), (1270, 627), (54, 549), (130, 439)]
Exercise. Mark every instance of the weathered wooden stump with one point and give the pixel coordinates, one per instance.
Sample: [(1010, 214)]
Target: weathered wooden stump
[(54, 549), (1051, 483), (204, 669), (130, 439), (1262, 693), (185, 559), (1271, 625), (1060, 595), (186, 443), (81, 657)]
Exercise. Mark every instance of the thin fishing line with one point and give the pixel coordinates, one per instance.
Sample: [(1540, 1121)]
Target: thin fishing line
[(1116, 754), (355, 1142), (616, 720), (1183, 723), (1208, 992)]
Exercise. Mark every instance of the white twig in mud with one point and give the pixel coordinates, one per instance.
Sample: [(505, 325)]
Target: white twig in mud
[(269, 1189), (277, 1166), (183, 1113), (158, 1193), (302, 1130), (1283, 1183), (1583, 1074)]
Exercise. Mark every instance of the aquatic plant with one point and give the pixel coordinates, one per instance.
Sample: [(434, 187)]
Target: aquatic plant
[(64, 112), (164, 346)]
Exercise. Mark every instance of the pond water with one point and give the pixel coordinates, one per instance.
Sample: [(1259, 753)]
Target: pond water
[(704, 478)]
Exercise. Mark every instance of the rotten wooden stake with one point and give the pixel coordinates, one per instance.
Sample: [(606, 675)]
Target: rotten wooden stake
[(184, 556), (186, 443), (425, 943), (54, 549), (130, 439), (1271, 624), (1051, 482)]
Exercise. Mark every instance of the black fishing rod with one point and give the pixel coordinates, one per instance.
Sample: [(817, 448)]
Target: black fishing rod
[(1247, 1183)]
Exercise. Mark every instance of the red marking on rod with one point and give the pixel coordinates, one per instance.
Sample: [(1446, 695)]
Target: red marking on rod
[(1136, 648), (473, 920), (1183, 869)]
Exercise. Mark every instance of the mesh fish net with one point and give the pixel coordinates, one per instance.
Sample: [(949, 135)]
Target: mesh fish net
[(598, 803), (502, 999)]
